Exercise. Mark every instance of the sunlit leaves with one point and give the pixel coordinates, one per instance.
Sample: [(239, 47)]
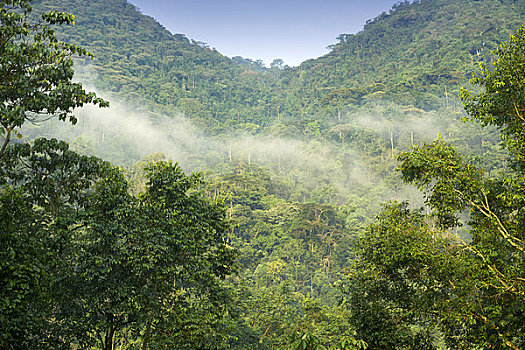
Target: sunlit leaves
[(502, 103), (36, 69)]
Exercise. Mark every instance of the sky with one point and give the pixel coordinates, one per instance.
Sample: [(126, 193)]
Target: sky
[(292, 30)]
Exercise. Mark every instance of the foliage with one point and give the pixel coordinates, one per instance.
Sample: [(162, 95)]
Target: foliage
[(288, 253), (36, 69), (159, 255), (141, 61), (418, 55), (92, 262), (98, 257), (307, 341), (502, 102), (392, 282), (42, 188), (473, 290)]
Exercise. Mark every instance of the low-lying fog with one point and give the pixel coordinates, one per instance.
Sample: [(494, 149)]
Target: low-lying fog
[(123, 136)]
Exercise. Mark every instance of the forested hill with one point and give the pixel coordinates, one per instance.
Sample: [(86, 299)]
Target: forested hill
[(418, 55), (273, 244), (412, 53), (138, 59)]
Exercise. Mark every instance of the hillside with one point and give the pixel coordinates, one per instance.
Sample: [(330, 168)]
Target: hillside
[(139, 60), (417, 56), (320, 213), (335, 122)]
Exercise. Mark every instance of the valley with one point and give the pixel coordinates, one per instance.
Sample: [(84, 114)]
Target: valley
[(369, 198)]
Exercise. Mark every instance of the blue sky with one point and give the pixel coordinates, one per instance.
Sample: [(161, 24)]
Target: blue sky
[(293, 30)]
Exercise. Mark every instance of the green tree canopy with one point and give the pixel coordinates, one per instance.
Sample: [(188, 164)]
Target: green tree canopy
[(36, 69), (474, 288), (502, 103)]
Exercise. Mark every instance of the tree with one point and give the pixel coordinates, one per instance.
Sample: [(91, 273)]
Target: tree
[(474, 288), (82, 259), (150, 266), (502, 103), (85, 262), (308, 341), (36, 69), (277, 63), (486, 308), (43, 193), (393, 281), (41, 186), (498, 209)]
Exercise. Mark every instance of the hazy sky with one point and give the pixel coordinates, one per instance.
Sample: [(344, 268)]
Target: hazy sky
[(293, 30)]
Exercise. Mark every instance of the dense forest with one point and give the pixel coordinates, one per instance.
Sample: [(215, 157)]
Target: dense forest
[(372, 198)]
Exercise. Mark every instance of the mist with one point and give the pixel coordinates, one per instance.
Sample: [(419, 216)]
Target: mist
[(124, 136)]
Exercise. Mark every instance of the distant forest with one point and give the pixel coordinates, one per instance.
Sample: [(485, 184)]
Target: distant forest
[(156, 194)]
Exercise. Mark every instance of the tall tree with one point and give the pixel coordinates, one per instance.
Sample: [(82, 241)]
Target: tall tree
[(473, 289), (85, 262), (502, 103), (43, 192), (151, 265), (36, 69)]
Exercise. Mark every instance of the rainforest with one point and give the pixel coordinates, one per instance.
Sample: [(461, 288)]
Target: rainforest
[(157, 194)]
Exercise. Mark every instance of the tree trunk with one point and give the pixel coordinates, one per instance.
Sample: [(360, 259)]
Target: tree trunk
[(446, 96), (312, 282), (146, 337), (392, 141), (6, 140), (109, 338)]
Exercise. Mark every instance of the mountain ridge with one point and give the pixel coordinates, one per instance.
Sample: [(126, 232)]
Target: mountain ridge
[(418, 55)]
